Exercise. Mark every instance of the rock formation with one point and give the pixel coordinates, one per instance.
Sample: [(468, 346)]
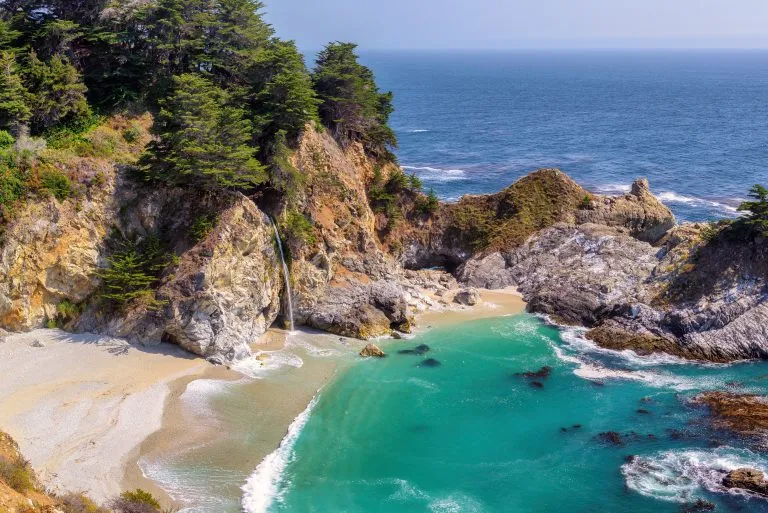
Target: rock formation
[(747, 479), (372, 350)]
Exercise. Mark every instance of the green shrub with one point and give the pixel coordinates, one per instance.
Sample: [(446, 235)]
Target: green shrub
[(202, 226), (17, 474), (586, 203), (299, 227), (132, 134), (12, 186), (6, 139), (428, 204), (415, 185), (136, 501), (55, 183), (757, 217), (79, 503)]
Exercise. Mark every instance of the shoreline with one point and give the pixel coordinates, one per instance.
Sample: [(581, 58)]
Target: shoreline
[(96, 387)]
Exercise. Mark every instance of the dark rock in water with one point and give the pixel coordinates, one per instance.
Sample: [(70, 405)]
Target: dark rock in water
[(629, 458), (699, 505), (597, 384), (680, 434), (611, 437), (642, 411), (430, 362), (746, 414), (576, 426), (563, 429), (536, 384), (747, 479), (542, 373), (418, 350), (646, 400)]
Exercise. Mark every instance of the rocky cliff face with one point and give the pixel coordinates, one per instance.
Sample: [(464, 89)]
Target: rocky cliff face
[(618, 265)]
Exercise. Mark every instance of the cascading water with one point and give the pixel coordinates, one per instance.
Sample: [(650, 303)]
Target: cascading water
[(285, 273)]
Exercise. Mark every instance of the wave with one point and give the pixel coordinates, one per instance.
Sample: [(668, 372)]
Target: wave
[(673, 197), (262, 488), (609, 188), (418, 131), (678, 475), (435, 174), (257, 368)]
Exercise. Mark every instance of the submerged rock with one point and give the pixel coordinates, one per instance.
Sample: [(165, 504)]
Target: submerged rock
[(743, 413), (536, 384), (699, 505), (542, 373), (430, 362), (419, 350), (747, 479), (611, 438), (371, 350)]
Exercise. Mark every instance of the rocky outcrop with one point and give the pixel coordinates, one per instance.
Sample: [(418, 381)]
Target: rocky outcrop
[(746, 414), (372, 350), (747, 479), (221, 296), (51, 250), (467, 297), (344, 281)]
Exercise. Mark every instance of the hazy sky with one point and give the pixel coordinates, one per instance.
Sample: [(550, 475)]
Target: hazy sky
[(380, 24)]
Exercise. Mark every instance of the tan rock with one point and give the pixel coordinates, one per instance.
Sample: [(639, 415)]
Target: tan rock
[(371, 350)]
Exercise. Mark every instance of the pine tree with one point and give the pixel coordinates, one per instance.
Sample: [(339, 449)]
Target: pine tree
[(758, 209), (202, 139), (14, 97), (58, 92), (352, 106), (284, 100)]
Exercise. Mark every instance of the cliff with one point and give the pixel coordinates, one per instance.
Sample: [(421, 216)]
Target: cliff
[(617, 264)]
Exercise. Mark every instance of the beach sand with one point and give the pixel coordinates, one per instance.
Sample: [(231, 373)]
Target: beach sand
[(493, 303), (78, 405)]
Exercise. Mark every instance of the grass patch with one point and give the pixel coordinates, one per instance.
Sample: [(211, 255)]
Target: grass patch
[(17, 474)]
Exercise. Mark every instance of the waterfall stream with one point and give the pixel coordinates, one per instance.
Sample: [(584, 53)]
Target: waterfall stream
[(285, 274)]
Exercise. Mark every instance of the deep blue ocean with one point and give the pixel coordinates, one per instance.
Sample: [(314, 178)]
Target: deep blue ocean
[(694, 123)]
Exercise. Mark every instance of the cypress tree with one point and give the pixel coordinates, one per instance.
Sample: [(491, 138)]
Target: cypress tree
[(202, 139), (14, 97)]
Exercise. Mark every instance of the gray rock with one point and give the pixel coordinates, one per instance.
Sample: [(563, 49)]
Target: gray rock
[(467, 297)]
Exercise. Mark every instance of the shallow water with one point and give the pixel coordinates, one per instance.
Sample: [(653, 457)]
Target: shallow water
[(473, 435)]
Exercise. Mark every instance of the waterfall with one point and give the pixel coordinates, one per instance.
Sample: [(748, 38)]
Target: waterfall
[(285, 273)]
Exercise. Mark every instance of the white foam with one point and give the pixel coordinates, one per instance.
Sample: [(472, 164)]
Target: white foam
[(613, 188), (679, 474), (455, 503), (257, 368), (436, 174), (673, 197), (418, 131), (262, 488)]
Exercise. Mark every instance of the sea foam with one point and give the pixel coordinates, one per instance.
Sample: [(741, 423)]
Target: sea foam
[(262, 488), (678, 475)]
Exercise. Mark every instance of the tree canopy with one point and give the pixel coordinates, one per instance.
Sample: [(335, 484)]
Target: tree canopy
[(352, 105), (229, 97)]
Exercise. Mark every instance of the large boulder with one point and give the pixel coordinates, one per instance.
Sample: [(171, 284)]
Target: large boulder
[(747, 479), (372, 350)]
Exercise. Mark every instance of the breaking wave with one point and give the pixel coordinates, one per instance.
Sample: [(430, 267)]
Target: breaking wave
[(673, 197), (679, 475), (263, 488), (435, 174)]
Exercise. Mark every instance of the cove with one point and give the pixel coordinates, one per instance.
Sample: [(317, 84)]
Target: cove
[(520, 416)]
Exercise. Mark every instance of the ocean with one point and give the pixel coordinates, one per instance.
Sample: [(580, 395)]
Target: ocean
[(473, 433), (693, 123)]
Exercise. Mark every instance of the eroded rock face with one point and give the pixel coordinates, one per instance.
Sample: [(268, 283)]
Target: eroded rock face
[(50, 252), (744, 413)]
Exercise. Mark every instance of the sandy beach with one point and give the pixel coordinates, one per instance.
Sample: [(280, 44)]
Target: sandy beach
[(78, 405)]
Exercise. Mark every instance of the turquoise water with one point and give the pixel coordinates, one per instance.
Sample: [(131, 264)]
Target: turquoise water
[(473, 435)]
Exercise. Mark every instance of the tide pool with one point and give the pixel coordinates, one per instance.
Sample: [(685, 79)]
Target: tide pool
[(586, 430)]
